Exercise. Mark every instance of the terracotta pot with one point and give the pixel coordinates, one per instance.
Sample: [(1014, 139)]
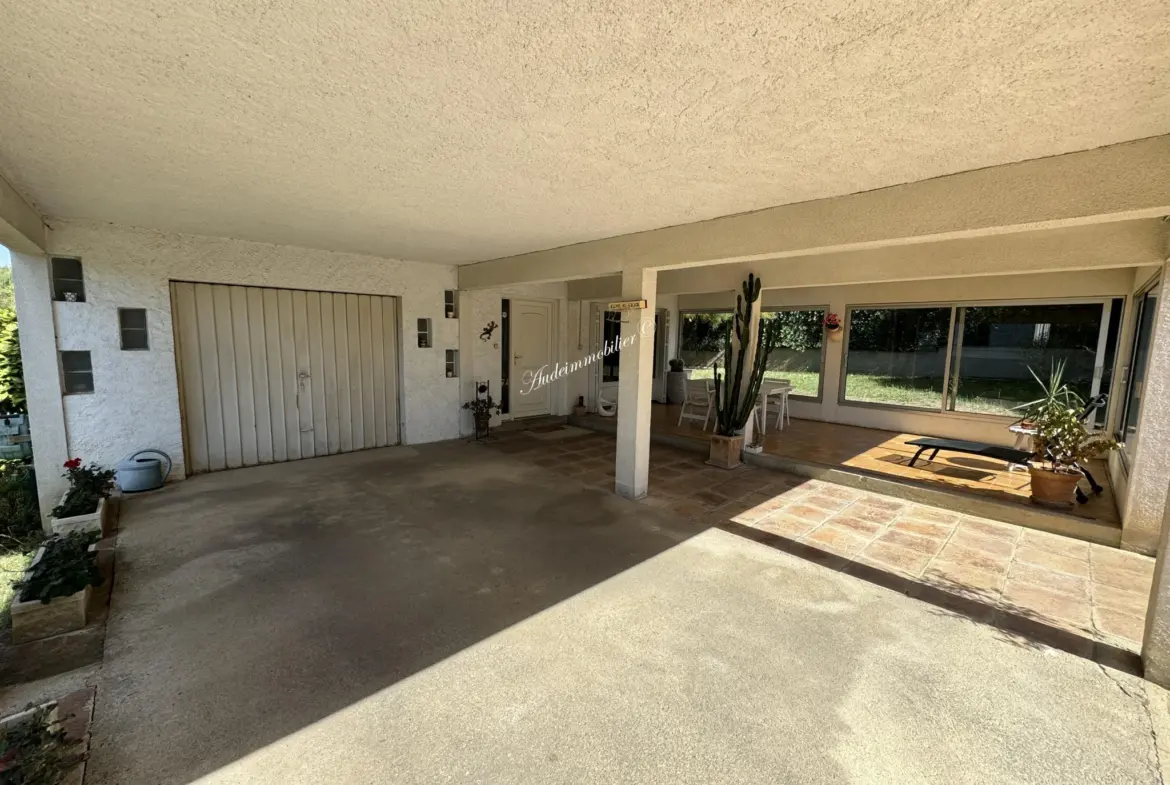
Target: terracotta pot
[(726, 451), (1055, 489)]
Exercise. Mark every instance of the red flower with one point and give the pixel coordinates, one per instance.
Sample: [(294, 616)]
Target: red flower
[(73, 463)]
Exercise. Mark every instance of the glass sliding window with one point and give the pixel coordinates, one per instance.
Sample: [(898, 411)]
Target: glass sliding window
[(701, 340), (1147, 309), (798, 353), (1001, 346), (897, 356)]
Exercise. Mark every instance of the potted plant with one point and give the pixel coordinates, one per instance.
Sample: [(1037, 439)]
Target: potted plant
[(833, 326), (53, 595), (1061, 443), (83, 506), (579, 409), (737, 391), (482, 407), (676, 382)]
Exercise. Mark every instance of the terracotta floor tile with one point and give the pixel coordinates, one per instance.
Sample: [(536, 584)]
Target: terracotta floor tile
[(754, 508), (1040, 578), (824, 501), (841, 492), (1002, 531), (1054, 543), (778, 523), (931, 514), (967, 557), (1048, 605), (937, 531), (1117, 559), (1121, 579), (1133, 603), (927, 546), (965, 578), (837, 539), (804, 512), (884, 503), (887, 555), (1052, 561), (859, 525), (971, 538), (862, 509), (1122, 625), (689, 508)]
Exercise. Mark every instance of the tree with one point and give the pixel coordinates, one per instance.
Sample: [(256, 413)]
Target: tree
[(7, 295), (12, 394)]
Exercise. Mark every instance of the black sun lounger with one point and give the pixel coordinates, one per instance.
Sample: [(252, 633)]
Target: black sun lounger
[(1009, 454)]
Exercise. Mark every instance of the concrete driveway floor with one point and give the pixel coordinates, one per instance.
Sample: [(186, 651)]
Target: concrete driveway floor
[(451, 614)]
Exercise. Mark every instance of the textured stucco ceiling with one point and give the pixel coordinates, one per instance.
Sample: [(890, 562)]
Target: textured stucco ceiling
[(452, 132)]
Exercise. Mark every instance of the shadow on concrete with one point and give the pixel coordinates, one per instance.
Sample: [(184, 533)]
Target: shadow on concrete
[(251, 604)]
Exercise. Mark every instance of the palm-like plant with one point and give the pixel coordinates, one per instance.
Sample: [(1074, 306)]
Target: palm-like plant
[(1062, 441)]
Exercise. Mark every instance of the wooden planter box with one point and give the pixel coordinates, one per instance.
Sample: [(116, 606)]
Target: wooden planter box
[(34, 619), (91, 522), (726, 452)]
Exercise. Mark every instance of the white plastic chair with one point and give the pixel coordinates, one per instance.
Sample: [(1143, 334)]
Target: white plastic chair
[(701, 396)]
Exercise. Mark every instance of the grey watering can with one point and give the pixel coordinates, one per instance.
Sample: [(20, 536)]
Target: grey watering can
[(143, 474)]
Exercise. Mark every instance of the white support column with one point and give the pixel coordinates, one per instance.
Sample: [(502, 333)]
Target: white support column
[(1145, 503), (635, 386), (42, 379), (1156, 643)]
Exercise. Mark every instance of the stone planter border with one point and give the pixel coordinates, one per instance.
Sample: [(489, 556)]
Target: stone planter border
[(90, 522), (33, 619)]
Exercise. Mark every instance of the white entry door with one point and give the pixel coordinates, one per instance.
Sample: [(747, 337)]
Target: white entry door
[(269, 375), (531, 338)]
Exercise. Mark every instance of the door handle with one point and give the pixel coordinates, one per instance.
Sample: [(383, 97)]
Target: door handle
[(516, 357)]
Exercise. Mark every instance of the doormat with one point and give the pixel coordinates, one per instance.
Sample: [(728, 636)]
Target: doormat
[(553, 433)]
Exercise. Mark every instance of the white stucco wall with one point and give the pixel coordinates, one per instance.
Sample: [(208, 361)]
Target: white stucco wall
[(136, 404), (481, 360)]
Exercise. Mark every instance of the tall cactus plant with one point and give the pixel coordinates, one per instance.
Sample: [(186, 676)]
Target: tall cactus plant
[(737, 390)]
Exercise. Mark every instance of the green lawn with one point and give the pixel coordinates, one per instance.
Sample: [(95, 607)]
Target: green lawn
[(978, 396), (12, 566)]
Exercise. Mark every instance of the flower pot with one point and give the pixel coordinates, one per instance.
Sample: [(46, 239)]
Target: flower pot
[(834, 332), (482, 423), (676, 386), (78, 523), (1056, 489), (726, 451)]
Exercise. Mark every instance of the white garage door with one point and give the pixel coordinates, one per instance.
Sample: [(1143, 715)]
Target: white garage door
[(271, 375)]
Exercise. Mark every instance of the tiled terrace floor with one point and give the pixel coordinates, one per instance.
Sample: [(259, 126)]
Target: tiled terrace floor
[(886, 453), (1096, 591)]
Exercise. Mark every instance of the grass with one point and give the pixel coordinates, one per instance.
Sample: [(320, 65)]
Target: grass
[(976, 396), (12, 566)]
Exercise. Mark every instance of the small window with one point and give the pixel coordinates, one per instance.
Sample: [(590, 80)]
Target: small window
[(77, 372), (452, 363), (424, 333), (450, 308), (68, 284), (132, 326)]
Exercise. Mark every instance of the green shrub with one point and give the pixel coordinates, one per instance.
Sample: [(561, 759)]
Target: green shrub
[(66, 568), (20, 514), (40, 750)]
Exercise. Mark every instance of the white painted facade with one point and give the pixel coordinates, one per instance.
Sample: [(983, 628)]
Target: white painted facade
[(135, 403)]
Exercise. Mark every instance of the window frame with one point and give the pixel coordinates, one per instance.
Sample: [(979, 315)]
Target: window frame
[(65, 374), (145, 330), (825, 309), (1136, 305), (59, 296), (955, 306)]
